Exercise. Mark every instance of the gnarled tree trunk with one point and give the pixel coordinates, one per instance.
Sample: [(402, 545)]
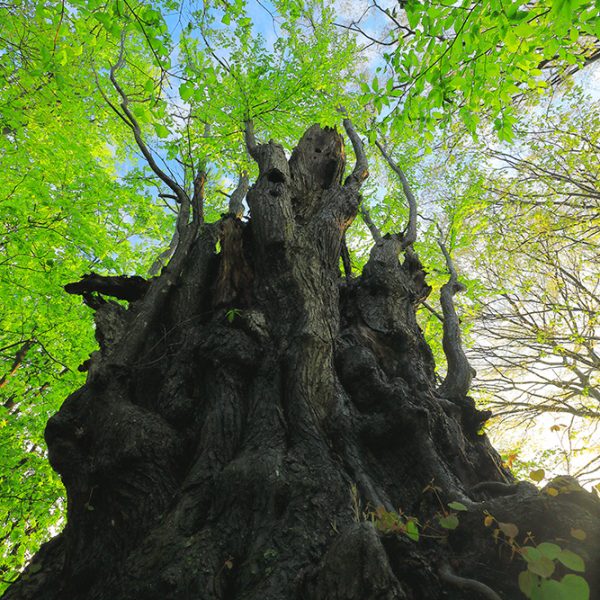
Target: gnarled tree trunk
[(243, 418)]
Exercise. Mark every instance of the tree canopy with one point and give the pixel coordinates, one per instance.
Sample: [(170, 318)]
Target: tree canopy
[(109, 111)]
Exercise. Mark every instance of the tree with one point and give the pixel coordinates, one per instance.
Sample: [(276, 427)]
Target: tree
[(553, 316), (533, 323), (252, 418), (66, 209)]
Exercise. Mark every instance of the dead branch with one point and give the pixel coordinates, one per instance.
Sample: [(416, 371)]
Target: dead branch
[(121, 286)]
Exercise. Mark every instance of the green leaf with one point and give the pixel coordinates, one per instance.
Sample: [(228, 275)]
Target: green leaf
[(537, 475), (575, 587), (550, 589), (186, 90), (412, 14), (412, 530), (531, 554), (512, 41), (571, 560), (563, 8), (457, 506), (161, 130), (544, 567), (449, 522), (549, 550), (528, 581)]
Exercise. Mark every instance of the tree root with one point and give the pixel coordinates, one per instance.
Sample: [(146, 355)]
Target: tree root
[(448, 576)]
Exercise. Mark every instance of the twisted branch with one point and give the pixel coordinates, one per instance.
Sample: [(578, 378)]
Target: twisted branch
[(460, 373)]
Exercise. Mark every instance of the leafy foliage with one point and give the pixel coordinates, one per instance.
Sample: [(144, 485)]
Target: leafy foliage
[(469, 59)]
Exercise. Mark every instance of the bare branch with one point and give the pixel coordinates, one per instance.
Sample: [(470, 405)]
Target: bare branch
[(369, 223), (361, 170), (197, 198), (18, 360), (432, 310), (410, 233), (251, 145), (170, 196), (137, 133), (236, 206)]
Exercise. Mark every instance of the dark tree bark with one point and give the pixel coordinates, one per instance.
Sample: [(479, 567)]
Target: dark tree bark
[(243, 417)]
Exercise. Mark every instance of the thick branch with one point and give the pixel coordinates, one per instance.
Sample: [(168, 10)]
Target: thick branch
[(269, 199), (410, 233), (121, 286), (183, 217), (361, 170), (197, 200), (346, 261), (250, 140), (369, 223), (163, 258), (460, 373), (236, 206)]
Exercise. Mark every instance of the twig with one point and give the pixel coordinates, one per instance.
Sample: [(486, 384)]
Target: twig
[(18, 360), (432, 310)]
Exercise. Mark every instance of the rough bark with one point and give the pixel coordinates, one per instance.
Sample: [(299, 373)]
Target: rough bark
[(458, 379), (254, 408)]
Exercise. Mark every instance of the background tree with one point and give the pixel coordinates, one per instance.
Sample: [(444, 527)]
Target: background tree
[(541, 253), (67, 207), (530, 210)]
